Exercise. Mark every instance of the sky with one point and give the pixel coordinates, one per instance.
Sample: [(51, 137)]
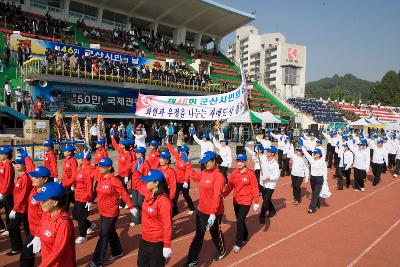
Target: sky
[(361, 37)]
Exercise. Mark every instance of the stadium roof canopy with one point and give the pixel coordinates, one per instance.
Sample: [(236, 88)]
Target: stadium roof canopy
[(207, 17)]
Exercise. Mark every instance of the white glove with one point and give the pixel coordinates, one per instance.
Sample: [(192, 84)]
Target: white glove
[(11, 215), (211, 221), (255, 207), (86, 153), (185, 185), (134, 212), (1, 197), (126, 179), (167, 252), (56, 180), (72, 188), (88, 206), (37, 245)]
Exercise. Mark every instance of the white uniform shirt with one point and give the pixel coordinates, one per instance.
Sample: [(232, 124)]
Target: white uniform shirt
[(225, 153), (380, 154), (265, 143), (254, 157), (310, 144), (361, 157), (318, 167), (281, 140), (140, 139), (300, 166), (346, 158), (270, 172), (204, 146)]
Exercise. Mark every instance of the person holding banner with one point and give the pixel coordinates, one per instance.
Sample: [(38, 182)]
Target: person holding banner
[(19, 213), (68, 173), (205, 145), (182, 183), (83, 182), (226, 154), (154, 154), (210, 209), (243, 182), (50, 159), (6, 185)]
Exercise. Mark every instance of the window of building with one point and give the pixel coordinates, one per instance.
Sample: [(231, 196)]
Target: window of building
[(81, 10), (114, 19), (56, 6)]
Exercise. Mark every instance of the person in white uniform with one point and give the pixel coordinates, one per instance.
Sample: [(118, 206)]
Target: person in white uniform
[(226, 155), (281, 144), (300, 171), (205, 145), (345, 163), (361, 163)]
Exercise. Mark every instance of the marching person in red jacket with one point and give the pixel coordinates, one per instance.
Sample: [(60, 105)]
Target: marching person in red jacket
[(100, 152), (154, 154), (68, 173), (6, 185), (109, 190), (210, 209), (170, 175), (182, 181), (140, 168), (124, 162), (83, 182), (19, 213), (155, 244), (50, 159), (39, 178), (244, 183), (56, 231)]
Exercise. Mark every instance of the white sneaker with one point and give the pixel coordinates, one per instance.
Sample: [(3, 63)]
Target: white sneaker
[(90, 230), (236, 249), (394, 175), (80, 240), (356, 190), (5, 233), (362, 189), (121, 207), (132, 224), (126, 207), (190, 212)]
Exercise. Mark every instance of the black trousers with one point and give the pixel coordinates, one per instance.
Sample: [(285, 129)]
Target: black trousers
[(150, 254), (108, 235), (330, 150), (137, 199), (377, 170), (285, 166), (8, 100), (19, 106), (359, 178), (340, 173), (186, 195), (258, 174), (27, 258), (69, 197), (80, 214), (336, 159), (241, 212), (14, 229), (224, 171), (93, 139), (397, 169), (296, 185), (267, 204), (201, 228), (7, 204), (280, 160), (392, 160), (316, 186)]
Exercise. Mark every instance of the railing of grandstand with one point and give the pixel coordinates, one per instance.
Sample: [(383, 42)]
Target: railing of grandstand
[(36, 66), (46, 7), (80, 15)]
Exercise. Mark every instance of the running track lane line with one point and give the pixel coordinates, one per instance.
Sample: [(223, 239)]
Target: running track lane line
[(379, 239), (237, 263)]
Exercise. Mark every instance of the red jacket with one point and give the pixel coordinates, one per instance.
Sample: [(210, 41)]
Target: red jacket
[(124, 159), (34, 213), (50, 162), (23, 187), (156, 215), (154, 156), (83, 181), (6, 178), (245, 187), (170, 178), (58, 242), (211, 186), (70, 165), (180, 165), (109, 190), (100, 154), (143, 170)]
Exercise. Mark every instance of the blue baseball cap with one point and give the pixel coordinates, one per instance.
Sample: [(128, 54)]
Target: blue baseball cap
[(345, 145), (317, 151), (6, 150), (241, 157), (48, 143), (205, 135), (272, 149), (153, 176), (154, 143), (40, 171), (105, 162), (319, 141), (101, 141), (82, 156), (126, 142), (380, 141), (184, 148), (361, 143), (225, 140), (209, 155), (50, 190), (360, 135), (68, 148), (345, 138), (140, 150), (267, 135), (312, 134), (18, 160), (259, 148), (165, 155)]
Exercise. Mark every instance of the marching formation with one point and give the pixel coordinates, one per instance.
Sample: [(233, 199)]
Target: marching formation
[(39, 198)]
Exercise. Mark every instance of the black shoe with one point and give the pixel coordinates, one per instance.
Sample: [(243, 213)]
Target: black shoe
[(191, 264), (311, 211), (219, 256), (12, 252), (339, 188), (113, 258), (92, 264), (262, 220), (271, 214)]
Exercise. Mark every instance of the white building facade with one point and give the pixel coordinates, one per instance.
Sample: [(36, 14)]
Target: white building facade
[(270, 59)]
